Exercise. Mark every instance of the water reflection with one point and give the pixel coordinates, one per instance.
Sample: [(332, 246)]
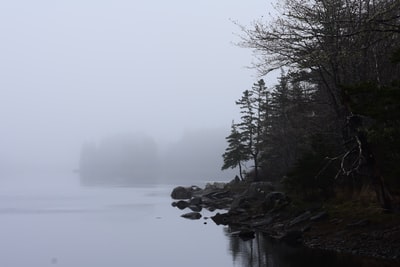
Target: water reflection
[(265, 252)]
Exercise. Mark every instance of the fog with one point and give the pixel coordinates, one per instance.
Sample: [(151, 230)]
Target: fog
[(142, 89), (75, 72), (136, 159)]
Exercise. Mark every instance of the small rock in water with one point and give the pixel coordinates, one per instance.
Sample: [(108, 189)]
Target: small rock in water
[(181, 204), (195, 208), (192, 215)]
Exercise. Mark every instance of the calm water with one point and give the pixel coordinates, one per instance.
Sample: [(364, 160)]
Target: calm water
[(65, 225)]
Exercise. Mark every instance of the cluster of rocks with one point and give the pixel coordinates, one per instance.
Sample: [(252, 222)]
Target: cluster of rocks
[(257, 207), (212, 197), (246, 209)]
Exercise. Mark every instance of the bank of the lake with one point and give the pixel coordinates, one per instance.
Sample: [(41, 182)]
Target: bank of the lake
[(349, 228)]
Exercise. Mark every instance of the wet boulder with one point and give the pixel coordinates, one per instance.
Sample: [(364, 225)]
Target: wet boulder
[(195, 201), (181, 204), (223, 219), (196, 208), (181, 192)]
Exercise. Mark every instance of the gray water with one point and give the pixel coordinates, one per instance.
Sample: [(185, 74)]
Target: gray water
[(67, 225)]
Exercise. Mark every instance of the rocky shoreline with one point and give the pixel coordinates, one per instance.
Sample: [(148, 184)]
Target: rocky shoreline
[(257, 207)]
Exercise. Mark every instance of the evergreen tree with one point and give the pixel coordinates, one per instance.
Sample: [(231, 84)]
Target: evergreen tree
[(253, 110), (345, 46), (235, 154)]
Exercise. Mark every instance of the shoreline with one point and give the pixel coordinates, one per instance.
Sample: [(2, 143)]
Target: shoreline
[(258, 208)]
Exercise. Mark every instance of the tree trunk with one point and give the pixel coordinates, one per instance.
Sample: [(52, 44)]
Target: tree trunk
[(240, 171), (382, 193), (256, 178)]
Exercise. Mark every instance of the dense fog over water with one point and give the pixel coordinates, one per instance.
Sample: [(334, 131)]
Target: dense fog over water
[(146, 90), (76, 72), (132, 159)]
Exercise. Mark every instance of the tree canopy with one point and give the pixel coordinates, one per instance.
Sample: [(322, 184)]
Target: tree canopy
[(336, 105)]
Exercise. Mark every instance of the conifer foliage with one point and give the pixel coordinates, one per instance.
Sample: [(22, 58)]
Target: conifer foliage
[(337, 104)]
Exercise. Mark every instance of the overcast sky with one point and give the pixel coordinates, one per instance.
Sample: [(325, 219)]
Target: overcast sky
[(74, 71)]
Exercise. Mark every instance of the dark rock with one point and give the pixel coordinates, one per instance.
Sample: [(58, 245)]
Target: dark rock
[(259, 189), (181, 204), (274, 197), (223, 219), (319, 216), (275, 201), (195, 188), (217, 194), (301, 218), (336, 221), (306, 228), (242, 202), (360, 223), (293, 237), (262, 222), (246, 235), (195, 201), (215, 185), (195, 208), (181, 192), (223, 203), (192, 215), (222, 194)]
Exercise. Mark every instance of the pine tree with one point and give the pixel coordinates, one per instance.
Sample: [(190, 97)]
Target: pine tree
[(235, 154), (252, 105)]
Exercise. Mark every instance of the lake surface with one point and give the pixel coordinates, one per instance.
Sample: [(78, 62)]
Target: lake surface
[(67, 225)]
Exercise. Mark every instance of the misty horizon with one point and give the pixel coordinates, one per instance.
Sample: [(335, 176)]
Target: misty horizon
[(75, 72)]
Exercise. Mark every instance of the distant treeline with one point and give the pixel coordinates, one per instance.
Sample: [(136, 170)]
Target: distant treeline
[(132, 159), (119, 160)]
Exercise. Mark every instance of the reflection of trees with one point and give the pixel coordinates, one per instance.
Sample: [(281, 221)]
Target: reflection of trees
[(248, 253), (263, 251)]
